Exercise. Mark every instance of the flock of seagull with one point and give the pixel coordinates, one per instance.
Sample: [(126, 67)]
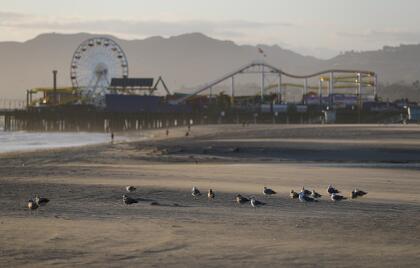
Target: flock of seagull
[(311, 196), (304, 196)]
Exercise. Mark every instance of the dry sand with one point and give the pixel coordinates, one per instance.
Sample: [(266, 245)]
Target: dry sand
[(86, 224)]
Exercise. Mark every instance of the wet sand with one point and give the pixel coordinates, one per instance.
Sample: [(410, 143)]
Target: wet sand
[(86, 224)]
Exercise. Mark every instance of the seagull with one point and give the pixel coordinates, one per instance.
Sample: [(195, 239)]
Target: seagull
[(306, 192), (210, 194), (315, 194), (336, 197), (41, 201), (332, 190), (268, 192), (130, 189), (128, 200), (195, 192), (255, 203), (241, 200), (293, 194), (304, 198), (32, 205), (357, 193)]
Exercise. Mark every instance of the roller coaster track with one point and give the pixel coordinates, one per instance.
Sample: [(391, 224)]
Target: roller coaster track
[(270, 69)]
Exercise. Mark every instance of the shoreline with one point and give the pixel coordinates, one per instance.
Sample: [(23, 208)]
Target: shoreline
[(205, 145), (128, 137)]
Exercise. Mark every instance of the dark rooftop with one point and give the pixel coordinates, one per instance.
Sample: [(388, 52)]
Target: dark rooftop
[(132, 82)]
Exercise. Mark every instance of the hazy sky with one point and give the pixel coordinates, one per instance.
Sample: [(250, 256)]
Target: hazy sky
[(316, 27)]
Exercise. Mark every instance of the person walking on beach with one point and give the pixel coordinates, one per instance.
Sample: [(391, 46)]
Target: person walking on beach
[(167, 132), (112, 137)]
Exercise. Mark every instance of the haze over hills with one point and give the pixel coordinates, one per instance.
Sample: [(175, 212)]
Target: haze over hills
[(186, 61)]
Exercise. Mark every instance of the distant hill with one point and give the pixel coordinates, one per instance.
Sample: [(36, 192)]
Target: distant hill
[(185, 61)]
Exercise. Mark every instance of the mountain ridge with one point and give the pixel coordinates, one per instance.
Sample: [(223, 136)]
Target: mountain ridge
[(186, 61)]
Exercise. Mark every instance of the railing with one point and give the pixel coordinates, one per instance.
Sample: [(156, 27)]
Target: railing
[(12, 104)]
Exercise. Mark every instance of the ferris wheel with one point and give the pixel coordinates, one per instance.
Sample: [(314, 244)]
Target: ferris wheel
[(95, 62)]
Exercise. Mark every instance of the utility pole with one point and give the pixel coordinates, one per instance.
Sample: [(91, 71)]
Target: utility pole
[(331, 89), (232, 92), (279, 93), (262, 83), (359, 95), (55, 86), (320, 92)]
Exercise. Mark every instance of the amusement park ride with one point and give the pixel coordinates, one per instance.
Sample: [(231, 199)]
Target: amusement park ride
[(356, 81), (99, 67)]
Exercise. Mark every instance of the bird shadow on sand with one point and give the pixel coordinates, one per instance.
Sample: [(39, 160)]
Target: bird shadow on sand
[(173, 205), (139, 199)]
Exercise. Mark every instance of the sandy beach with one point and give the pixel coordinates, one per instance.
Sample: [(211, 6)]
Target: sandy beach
[(86, 223)]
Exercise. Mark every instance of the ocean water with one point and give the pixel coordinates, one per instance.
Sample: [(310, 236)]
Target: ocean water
[(25, 141)]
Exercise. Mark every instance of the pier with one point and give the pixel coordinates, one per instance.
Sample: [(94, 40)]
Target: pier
[(71, 119), (99, 101)]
